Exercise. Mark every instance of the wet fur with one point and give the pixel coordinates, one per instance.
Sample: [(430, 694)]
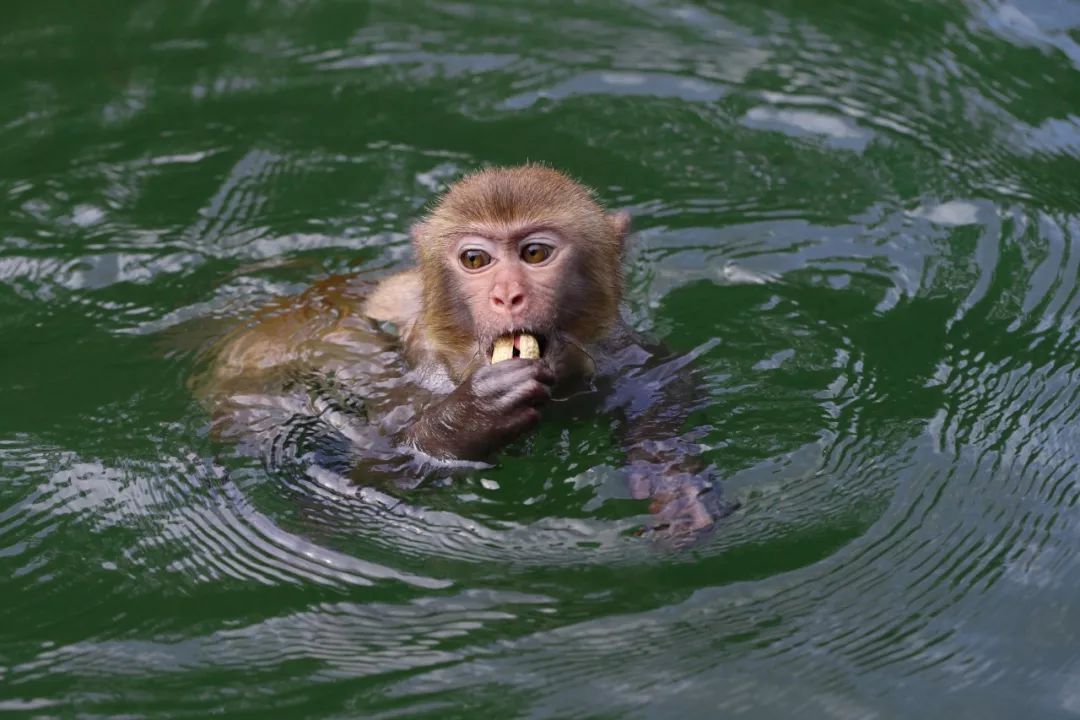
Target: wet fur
[(507, 202), (458, 406)]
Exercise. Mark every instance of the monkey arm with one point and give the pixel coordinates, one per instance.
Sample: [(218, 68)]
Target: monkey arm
[(664, 463), (396, 299)]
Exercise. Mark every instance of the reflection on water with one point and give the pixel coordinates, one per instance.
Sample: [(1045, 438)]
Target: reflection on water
[(863, 215)]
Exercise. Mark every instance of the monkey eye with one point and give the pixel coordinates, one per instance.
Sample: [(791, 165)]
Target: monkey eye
[(536, 253), (474, 259)]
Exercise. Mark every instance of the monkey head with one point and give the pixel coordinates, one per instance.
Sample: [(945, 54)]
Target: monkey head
[(522, 249)]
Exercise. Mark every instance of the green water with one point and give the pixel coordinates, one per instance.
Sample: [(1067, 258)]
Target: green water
[(864, 215)]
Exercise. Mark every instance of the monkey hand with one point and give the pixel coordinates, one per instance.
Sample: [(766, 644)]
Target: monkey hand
[(685, 505), (493, 407)]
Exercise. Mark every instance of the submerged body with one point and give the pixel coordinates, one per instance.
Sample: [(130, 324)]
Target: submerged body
[(516, 261)]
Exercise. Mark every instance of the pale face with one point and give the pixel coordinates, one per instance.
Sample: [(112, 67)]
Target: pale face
[(513, 284)]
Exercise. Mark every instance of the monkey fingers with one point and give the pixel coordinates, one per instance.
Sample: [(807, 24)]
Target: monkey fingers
[(679, 521), (685, 506), (529, 393), (513, 380), (518, 422)]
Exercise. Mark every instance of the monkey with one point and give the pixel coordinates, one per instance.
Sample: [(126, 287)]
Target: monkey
[(403, 365)]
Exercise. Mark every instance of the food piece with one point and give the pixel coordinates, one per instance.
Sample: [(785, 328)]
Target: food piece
[(503, 350), (527, 346)]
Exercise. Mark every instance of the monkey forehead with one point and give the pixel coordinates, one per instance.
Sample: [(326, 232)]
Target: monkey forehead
[(533, 182), (507, 200)]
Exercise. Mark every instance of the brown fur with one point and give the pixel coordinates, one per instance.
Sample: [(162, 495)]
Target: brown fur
[(425, 302), (456, 405), (501, 203)]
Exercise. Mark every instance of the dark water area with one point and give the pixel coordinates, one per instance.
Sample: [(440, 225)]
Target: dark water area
[(865, 217)]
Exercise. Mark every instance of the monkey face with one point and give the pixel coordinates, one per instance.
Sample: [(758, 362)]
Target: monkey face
[(513, 284), (518, 250)]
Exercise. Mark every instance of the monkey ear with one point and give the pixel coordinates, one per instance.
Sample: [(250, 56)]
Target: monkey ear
[(620, 224)]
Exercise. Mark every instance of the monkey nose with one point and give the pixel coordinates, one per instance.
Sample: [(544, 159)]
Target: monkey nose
[(508, 299)]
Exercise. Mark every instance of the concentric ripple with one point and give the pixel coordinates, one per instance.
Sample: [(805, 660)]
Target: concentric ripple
[(861, 219)]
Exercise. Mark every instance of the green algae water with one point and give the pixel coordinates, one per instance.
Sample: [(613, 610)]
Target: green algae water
[(864, 218)]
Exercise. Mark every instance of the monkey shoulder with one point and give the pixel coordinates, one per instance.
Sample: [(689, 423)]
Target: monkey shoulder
[(316, 326), (396, 299), (623, 347)]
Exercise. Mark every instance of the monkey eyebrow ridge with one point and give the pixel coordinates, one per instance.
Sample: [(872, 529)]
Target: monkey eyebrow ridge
[(528, 230), (516, 235)]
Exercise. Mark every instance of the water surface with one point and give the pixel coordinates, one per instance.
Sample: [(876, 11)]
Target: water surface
[(864, 215)]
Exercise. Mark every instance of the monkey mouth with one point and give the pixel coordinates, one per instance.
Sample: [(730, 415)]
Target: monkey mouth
[(520, 343)]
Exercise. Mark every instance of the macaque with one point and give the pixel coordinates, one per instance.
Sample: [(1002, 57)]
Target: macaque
[(520, 265)]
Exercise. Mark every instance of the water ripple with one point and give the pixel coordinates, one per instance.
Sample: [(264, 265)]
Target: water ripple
[(861, 220)]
